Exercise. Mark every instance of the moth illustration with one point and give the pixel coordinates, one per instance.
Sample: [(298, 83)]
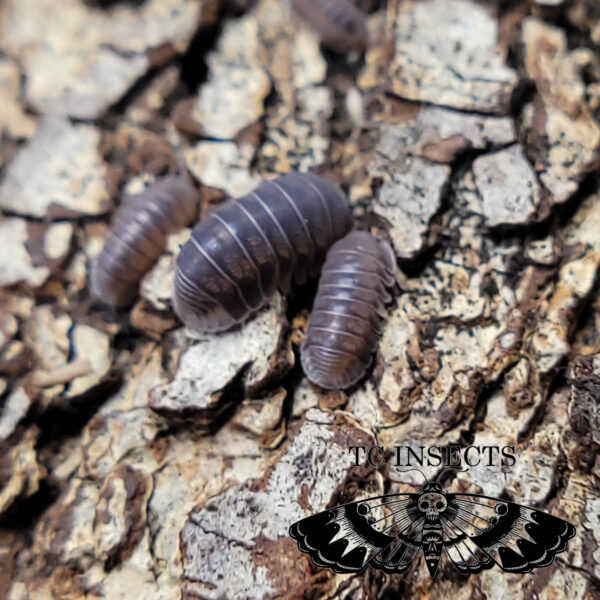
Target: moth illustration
[(388, 531)]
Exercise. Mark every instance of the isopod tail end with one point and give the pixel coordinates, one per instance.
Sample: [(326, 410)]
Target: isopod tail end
[(109, 292)]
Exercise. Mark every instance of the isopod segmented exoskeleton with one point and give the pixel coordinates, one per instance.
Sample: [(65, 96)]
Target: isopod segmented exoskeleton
[(349, 310), (237, 258), (340, 24), (137, 237)]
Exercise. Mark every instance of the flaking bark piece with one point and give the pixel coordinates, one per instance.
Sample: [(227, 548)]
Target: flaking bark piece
[(464, 68), (20, 472), (225, 552), (89, 58), (120, 517), (237, 85), (563, 137), (58, 174), (13, 120), (18, 265), (209, 368), (509, 193), (411, 167)]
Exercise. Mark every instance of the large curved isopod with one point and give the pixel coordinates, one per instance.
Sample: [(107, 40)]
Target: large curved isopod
[(237, 258)]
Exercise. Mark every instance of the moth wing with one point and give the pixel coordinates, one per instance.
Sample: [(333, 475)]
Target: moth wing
[(480, 531), (347, 538), (398, 556)]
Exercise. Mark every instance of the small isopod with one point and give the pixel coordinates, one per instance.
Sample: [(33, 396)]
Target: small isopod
[(349, 311), (137, 237), (340, 24), (237, 258)]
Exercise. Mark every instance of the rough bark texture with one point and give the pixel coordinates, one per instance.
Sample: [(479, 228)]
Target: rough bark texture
[(139, 461)]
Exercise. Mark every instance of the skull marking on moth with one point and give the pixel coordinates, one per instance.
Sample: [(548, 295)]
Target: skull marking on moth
[(432, 504)]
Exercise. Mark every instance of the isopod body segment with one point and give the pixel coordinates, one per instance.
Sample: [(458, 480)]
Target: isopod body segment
[(237, 258), (349, 311), (137, 237), (339, 23)]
